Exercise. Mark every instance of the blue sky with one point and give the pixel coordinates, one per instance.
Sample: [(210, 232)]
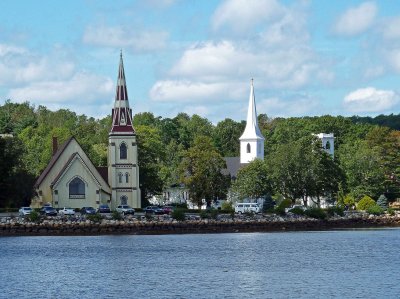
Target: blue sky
[(307, 57)]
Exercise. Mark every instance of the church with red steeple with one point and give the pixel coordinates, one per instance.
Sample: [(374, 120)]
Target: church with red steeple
[(71, 179)]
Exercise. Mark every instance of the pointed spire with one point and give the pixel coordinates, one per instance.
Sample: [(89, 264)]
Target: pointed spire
[(121, 114), (252, 130)]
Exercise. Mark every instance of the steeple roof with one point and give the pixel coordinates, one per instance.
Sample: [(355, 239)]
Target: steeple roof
[(121, 114), (252, 131)]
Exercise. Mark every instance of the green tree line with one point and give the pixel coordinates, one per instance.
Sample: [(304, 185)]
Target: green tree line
[(190, 150)]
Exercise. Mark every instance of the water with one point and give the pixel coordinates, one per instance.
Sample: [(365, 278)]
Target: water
[(341, 264)]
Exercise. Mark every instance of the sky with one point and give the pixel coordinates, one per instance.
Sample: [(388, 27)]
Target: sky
[(307, 58)]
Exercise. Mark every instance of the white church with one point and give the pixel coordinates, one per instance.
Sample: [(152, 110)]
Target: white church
[(71, 179)]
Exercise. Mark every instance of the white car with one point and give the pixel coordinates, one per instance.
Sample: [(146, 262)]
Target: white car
[(66, 211), (25, 211)]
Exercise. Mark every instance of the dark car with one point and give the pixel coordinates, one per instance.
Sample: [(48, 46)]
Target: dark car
[(88, 210), (48, 211), (153, 210), (168, 209), (104, 209)]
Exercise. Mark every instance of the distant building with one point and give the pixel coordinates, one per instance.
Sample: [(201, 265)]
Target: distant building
[(71, 180), (328, 142)]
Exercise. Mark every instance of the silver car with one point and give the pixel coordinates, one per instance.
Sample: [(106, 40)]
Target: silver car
[(24, 211)]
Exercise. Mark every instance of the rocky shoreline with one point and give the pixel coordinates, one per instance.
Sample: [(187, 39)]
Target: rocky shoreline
[(70, 226)]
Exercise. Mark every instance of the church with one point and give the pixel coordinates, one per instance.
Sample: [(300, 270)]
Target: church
[(72, 180)]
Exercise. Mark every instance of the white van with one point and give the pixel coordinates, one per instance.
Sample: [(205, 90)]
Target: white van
[(243, 207)]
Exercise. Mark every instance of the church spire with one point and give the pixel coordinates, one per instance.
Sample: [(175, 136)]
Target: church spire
[(121, 114), (251, 141), (252, 130)]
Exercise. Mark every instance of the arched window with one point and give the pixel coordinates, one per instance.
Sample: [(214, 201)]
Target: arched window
[(120, 177), (328, 145), (126, 177), (248, 148), (122, 151), (77, 188), (124, 200)]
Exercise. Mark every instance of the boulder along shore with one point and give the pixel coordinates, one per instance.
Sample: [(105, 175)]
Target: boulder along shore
[(73, 226)]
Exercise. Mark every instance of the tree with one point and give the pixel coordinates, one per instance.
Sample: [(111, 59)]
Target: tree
[(226, 137), (302, 170), (382, 202), (252, 180), (362, 167), (169, 171), (365, 203), (150, 154), (201, 172), (16, 183)]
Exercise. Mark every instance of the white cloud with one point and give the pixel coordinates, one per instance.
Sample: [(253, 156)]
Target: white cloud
[(279, 107), (370, 99), (125, 37), (391, 29), (20, 66), (80, 88), (356, 20), (189, 91), (242, 15)]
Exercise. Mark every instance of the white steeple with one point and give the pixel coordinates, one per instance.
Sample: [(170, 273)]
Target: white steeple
[(251, 141)]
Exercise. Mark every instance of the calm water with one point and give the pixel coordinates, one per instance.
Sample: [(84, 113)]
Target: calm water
[(342, 264)]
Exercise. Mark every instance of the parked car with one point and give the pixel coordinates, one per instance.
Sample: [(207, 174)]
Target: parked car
[(168, 209), (153, 210), (48, 211), (24, 211), (88, 210), (104, 209), (247, 207), (66, 211), (125, 209)]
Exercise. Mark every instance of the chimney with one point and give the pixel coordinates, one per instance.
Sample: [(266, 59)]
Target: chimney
[(55, 145)]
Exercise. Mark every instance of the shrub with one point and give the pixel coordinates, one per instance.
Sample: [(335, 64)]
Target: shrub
[(316, 213), (365, 203), (382, 202), (94, 218), (178, 214), (116, 215), (34, 216), (227, 207), (213, 214), (375, 210), (280, 209), (331, 211), (297, 211), (204, 214), (390, 211)]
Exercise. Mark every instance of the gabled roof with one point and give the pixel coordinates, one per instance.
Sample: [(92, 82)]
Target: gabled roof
[(103, 171), (53, 160), (68, 164), (232, 166), (252, 131)]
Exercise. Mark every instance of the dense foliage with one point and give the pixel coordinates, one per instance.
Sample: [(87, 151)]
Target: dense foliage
[(175, 150)]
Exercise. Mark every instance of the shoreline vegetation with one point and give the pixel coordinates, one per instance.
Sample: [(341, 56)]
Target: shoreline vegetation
[(69, 226)]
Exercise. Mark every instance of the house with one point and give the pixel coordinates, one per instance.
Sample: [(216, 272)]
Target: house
[(71, 179)]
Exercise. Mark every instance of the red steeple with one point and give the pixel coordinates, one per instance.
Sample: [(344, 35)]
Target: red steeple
[(121, 114)]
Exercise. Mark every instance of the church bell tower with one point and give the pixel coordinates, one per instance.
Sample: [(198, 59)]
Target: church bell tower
[(123, 169)]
